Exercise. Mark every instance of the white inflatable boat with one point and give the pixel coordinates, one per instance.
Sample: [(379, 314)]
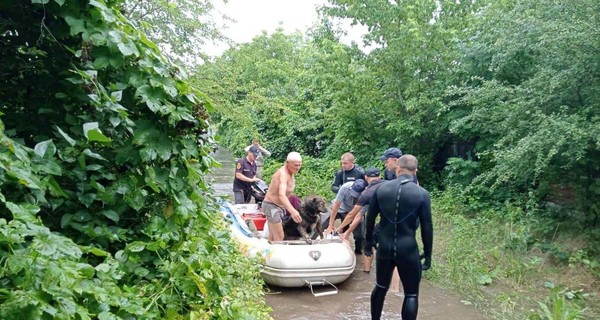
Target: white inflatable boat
[(293, 263)]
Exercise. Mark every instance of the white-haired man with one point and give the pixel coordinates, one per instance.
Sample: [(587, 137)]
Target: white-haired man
[(276, 201)]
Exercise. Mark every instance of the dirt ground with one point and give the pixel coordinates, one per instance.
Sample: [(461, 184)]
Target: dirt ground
[(352, 302)]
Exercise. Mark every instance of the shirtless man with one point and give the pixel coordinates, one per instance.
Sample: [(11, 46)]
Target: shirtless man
[(276, 201)]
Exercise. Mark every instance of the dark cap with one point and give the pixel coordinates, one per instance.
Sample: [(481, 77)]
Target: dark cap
[(357, 188), (254, 150), (391, 153), (372, 172)]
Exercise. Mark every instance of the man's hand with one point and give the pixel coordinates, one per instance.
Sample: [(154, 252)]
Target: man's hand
[(345, 235), (369, 245), (296, 216), (345, 238), (425, 265)]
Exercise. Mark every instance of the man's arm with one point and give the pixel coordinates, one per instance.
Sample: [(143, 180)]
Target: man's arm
[(334, 211), (371, 217), (349, 217), (361, 172), (242, 177), (264, 151), (355, 223), (337, 182), (426, 225)]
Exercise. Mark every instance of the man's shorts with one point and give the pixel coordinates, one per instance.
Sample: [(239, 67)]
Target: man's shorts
[(273, 212)]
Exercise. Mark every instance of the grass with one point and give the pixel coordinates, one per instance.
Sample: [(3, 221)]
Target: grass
[(492, 259)]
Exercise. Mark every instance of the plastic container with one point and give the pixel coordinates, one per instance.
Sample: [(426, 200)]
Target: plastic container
[(258, 218)]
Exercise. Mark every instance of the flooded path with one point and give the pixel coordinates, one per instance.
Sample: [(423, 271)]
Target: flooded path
[(352, 302)]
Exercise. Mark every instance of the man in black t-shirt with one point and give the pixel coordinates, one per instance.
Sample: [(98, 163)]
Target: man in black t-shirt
[(348, 172)]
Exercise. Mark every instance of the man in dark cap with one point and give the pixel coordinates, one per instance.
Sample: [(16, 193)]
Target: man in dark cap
[(245, 175), (344, 201), (355, 217), (390, 158), (262, 153)]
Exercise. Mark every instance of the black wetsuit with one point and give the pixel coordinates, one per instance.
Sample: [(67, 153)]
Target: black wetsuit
[(401, 203)]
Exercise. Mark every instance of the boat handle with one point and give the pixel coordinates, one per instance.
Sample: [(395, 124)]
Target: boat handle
[(322, 283)]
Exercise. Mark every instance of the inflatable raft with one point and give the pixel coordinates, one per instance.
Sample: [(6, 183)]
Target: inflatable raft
[(291, 263)]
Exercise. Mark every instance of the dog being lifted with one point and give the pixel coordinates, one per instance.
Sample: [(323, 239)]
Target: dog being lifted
[(310, 211)]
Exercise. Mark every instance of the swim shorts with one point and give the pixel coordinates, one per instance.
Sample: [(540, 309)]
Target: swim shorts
[(273, 212)]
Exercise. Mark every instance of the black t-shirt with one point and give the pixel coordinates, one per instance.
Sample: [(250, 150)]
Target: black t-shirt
[(389, 175), (342, 176), (246, 168), (367, 195)]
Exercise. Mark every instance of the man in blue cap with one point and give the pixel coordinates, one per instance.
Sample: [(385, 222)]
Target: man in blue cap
[(354, 219), (390, 158), (344, 201), (245, 175)]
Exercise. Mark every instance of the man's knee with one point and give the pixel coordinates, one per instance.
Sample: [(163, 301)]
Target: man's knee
[(380, 286), (276, 229)]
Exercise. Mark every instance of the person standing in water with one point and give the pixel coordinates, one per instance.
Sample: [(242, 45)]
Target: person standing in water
[(276, 202), (401, 203)]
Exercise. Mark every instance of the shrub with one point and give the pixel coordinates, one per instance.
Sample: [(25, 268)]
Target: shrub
[(104, 211)]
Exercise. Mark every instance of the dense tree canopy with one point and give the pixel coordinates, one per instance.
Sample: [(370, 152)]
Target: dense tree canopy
[(499, 97)]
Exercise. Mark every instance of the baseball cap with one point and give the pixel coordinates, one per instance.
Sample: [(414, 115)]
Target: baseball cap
[(254, 150), (357, 188), (372, 172), (391, 153)]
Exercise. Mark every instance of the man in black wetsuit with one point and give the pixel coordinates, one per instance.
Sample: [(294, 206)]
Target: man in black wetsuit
[(348, 172), (401, 203)]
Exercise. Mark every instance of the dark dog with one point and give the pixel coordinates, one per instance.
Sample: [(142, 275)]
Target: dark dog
[(310, 211)]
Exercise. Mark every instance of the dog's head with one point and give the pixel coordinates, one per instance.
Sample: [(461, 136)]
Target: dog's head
[(314, 204)]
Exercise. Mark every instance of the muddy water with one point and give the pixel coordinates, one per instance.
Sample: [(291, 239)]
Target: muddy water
[(352, 301)]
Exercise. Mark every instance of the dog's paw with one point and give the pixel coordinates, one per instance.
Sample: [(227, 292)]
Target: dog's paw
[(308, 240)]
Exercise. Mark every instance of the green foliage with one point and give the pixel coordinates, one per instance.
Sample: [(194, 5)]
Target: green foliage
[(182, 28), (460, 171), (499, 101), (494, 268), (560, 305), (531, 101), (104, 211)]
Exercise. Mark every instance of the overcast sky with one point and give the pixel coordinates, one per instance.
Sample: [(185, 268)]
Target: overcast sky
[(254, 16)]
